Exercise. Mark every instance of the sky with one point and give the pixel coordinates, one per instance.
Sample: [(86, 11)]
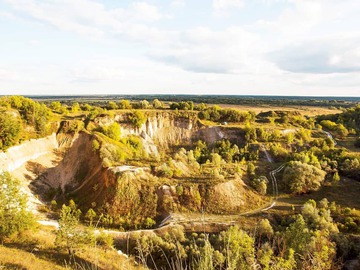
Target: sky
[(234, 47)]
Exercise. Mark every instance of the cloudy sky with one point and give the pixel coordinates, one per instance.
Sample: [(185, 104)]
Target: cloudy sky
[(261, 47)]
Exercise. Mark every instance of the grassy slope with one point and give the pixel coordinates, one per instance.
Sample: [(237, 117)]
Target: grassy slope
[(12, 258)]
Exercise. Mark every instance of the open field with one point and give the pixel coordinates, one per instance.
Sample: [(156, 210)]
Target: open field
[(304, 110), (345, 193)]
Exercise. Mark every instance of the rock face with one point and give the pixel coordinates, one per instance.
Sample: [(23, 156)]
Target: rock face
[(18, 155), (68, 163), (164, 129)]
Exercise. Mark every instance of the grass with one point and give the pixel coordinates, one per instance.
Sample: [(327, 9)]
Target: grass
[(304, 110), (345, 193), (12, 258), (36, 250), (348, 143)]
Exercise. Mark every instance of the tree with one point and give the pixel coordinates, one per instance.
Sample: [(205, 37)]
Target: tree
[(75, 107), (157, 104), (112, 105), (265, 228), (69, 235), (302, 178), (10, 129), (14, 216), (113, 131), (55, 105), (239, 248), (137, 118), (144, 104), (341, 131), (90, 215), (260, 184), (336, 177), (124, 104)]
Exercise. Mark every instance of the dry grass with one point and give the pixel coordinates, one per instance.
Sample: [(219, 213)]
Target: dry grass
[(304, 110), (348, 143), (345, 193), (36, 250), (107, 259), (11, 258)]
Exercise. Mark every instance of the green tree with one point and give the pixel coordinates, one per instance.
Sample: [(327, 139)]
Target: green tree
[(69, 235), (336, 177), (112, 105), (10, 130), (55, 105), (157, 104), (137, 118), (75, 107), (143, 104), (90, 215), (206, 257), (113, 131), (302, 178), (124, 104), (239, 248), (14, 216)]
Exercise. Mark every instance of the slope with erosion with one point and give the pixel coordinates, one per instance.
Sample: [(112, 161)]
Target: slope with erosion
[(68, 165), (168, 128)]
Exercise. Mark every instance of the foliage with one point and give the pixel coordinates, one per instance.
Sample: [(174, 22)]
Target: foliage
[(124, 104), (301, 178), (216, 114), (90, 215), (75, 107), (32, 112), (69, 235), (157, 104), (239, 246), (10, 130), (137, 118), (278, 152), (14, 217), (112, 105), (142, 104), (260, 184), (113, 131), (182, 105)]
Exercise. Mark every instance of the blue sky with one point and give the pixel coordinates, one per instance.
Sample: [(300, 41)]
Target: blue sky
[(264, 47)]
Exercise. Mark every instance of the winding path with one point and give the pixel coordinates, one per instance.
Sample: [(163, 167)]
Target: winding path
[(273, 179), (328, 134)]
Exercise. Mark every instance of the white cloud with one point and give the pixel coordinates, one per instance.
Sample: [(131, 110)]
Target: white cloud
[(87, 17), (221, 7), (178, 4), (98, 73), (310, 42), (7, 75), (142, 11), (335, 55), (226, 4), (207, 51)]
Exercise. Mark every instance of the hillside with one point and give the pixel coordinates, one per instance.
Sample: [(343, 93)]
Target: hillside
[(166, 174)]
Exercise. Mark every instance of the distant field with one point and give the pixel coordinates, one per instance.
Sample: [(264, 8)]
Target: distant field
[(304, 110)]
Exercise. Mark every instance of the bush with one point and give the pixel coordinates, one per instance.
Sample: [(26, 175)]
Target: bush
[(137, 118), (113, 131), (14, 216), (10, 128), (302, 178)]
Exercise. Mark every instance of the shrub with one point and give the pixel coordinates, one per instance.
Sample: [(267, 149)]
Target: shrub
[(302, 178), (14, 216), (113, 131), (137, 118)]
